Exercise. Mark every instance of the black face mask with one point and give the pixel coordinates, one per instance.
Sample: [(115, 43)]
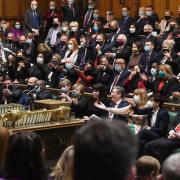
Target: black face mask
[(30, 87), (172, 27), (62, 43), (167, 17), (165, 50), (54, 63), (55, 25), (114, 30), (18, 59), (146, 33), (10, 41), (99, 42)]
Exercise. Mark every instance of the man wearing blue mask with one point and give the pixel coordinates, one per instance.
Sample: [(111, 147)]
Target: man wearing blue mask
[(120, 73), (149, 56), (126, 20)]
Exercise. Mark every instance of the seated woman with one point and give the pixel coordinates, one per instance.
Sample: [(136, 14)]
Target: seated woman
[(25, 157), (166, 83), (17, 30), (64, 167), (135, 80)]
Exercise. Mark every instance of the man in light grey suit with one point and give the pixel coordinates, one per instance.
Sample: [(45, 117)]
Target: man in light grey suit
[(52, 37)]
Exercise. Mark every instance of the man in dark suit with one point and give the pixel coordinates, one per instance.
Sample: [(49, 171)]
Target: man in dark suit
[(148, 57), (118, 94), (70, 11), (163, 147), (120, 48), (88, 15), (158, 121), (126, 21), (85, 52), (33, 19), (120, 75)]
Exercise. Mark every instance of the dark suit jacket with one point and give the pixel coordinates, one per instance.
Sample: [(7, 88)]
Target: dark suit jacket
[(125, 23), (124, 53), (44, 94), (144, 60), (162, 120), (120, 117), (68, 13), (140, 25), (29, 20), (122, 77)]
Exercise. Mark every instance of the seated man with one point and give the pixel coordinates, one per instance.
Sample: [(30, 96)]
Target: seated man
[(11, 93), (158, 120)]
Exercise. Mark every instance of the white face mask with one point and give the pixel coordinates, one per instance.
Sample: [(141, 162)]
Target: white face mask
[(71, 1), (70, 46), (33, 7), (153, 71), (64, 29), (40, 60), (74, 29), (132, 30), (18, 26), (52, 7), (149, 104), (137, 99)]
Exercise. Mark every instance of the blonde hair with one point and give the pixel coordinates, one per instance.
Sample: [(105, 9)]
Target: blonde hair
[(169, 43), (166, 68), (64, 167), (143, 96)]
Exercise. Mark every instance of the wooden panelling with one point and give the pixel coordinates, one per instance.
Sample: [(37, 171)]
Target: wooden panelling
[(0, 7), (116, 8), (173, 6), (160, 7), (146, 2)]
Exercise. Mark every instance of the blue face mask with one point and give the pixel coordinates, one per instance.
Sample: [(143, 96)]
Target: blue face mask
[(153, 71), (68, 66), (118, 68), (141, 13), (95, 16), (162, 74), (95, 28), (147, 49), (125, 13)]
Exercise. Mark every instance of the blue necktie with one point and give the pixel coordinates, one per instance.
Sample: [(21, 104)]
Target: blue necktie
[(35, 20)]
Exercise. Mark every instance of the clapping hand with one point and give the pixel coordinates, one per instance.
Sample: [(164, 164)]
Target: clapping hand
[(100, 105)]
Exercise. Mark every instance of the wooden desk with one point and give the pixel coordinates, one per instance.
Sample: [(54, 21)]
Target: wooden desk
[(56, 136)]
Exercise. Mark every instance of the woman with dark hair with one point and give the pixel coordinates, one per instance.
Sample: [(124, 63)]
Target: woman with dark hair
[(25, 157), (135, 80), (132, 36), (17, 30), (99, 94)]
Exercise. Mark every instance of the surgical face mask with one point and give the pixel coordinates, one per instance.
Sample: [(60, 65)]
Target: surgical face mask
[(141, 13), (70, 46), (148, 13), (95, 16), (29, 41), (75, 94), (99, 42), (147, 49), (40, 60), (34, 7), (149, 104), (74, 29), (71, 1), (153, 71), (132, 30), (125, 13), (55, 63), (90, 7), (52, 7), (68, 66), (64, 90), (38, 90), (64, 29), (162, 74), (30, 87), (55, 25), (167, 18), (18, 26), (120, 42), (95, 28), (137, 99), (118, 68)]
